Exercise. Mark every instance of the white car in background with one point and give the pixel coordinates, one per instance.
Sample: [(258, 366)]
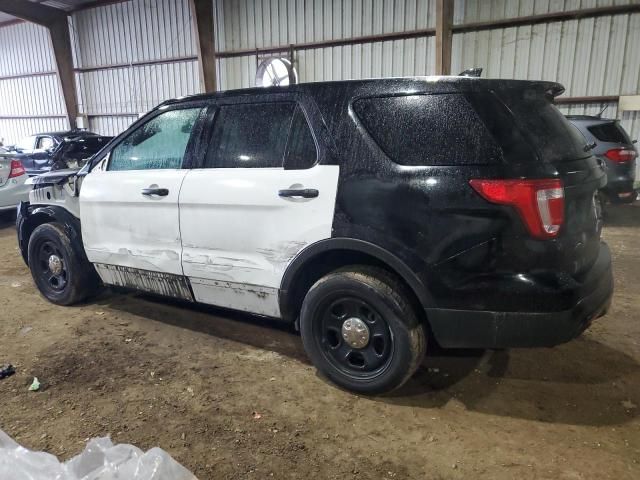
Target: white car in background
[(13, 187)]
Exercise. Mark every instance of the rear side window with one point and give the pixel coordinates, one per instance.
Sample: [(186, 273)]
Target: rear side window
[(428, 130), (158, 144), (252, 135), (609, 132)]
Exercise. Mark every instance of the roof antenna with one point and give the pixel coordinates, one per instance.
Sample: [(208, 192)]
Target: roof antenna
[(471, 72), (599, 115)]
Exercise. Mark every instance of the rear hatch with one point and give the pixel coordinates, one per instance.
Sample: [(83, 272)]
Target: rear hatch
[(562, 152)]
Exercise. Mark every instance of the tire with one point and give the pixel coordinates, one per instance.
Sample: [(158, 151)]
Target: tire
[(68, 278), (372, 360)]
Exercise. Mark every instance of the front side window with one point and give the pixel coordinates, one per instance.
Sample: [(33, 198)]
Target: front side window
[(158, 144), (252, 135)]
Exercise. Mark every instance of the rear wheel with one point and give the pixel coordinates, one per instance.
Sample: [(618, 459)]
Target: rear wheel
[(361, 331), (59, 270)]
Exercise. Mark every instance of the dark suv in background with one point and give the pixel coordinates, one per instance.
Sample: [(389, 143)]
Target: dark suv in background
[(612, 146)]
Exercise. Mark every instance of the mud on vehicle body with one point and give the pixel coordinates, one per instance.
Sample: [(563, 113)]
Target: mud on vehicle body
[(372, 214)]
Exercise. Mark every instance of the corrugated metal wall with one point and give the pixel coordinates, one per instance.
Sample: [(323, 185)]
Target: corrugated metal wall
[(272, 23), (590, 56), (597, 56), (593, 56), (26, 49), (123, 34)]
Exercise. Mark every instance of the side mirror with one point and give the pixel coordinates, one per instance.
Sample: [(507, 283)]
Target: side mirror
[(635, 141)]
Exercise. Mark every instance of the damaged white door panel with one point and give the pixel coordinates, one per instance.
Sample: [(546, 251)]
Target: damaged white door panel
[(239, 233), (129, 206), (125, 224)]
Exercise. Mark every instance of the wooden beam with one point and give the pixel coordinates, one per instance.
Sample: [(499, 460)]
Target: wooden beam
[(544, 18), (444, 21), (338, 42), (61, 43), (202, 15), (32, 12), (589, 99)]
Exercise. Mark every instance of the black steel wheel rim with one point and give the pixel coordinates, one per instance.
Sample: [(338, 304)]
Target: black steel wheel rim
[(364, 362), (53, 279)]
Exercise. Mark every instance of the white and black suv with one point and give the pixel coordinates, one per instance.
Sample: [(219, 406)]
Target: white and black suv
[(372, 214)]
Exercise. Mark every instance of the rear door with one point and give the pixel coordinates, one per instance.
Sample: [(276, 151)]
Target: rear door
[(129, 206), (261, 195)]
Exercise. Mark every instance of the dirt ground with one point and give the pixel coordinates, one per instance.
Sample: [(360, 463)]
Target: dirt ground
[(190, 381)]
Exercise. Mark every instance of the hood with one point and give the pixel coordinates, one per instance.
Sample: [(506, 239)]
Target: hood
[(55, 177)]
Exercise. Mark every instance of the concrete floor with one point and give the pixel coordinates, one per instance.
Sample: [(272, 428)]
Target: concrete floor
[(192, 381)]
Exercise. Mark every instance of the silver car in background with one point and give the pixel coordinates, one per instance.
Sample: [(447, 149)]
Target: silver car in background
[(13, 188)]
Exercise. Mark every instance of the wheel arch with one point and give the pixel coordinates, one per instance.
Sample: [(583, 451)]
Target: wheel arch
[(328, 255), (31, 217)]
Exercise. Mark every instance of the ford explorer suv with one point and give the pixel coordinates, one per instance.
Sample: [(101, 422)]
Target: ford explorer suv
[(611, 145), (373, 215)]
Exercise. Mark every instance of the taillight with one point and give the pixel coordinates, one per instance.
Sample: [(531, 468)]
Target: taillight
[(620, 155), (540, 203), (16, 169)]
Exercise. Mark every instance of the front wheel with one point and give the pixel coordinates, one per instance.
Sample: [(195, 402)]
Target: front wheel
[(59, 269), (361, 331)]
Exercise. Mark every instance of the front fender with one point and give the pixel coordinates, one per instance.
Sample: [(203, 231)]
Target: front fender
[(32, 216)]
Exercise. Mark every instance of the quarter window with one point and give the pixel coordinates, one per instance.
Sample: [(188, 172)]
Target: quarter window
[(419, 130), (250, 135), (158, 144)]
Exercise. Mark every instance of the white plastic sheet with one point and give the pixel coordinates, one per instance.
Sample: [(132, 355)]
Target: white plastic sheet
[(100, 460)]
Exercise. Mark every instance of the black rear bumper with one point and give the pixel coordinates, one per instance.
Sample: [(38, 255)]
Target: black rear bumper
[(492, 329)]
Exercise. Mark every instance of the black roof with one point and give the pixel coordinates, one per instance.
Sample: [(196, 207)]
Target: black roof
[(433, 84)]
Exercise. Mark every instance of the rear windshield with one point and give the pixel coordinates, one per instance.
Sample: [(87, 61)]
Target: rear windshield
[(547, 130), (609, 132), (418, 130)]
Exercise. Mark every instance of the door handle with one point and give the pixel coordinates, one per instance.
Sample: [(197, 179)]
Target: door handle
[(299, 192), (161, 192)]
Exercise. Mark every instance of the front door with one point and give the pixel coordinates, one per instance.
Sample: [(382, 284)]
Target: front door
[(261, 198), (129, 206)]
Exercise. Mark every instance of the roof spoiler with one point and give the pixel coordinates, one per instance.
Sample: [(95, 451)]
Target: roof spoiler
[(554, 90), (471, 72)]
